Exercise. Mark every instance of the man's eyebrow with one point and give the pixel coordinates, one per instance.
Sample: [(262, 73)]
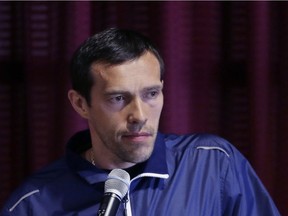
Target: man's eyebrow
[(156, 87), (115, 91)]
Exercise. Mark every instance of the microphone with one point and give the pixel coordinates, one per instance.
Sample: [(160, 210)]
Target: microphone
[(116, 187)]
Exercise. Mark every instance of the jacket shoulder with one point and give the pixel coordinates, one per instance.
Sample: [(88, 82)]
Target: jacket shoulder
[(199, 141), (33, 186)]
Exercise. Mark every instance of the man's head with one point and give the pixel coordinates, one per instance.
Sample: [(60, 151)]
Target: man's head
[(117, 87), (112, 47)]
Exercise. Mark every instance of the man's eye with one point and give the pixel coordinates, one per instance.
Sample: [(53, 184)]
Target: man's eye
[(152, 94), (117, 99)]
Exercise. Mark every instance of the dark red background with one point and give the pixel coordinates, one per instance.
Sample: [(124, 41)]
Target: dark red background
[(226, 73)]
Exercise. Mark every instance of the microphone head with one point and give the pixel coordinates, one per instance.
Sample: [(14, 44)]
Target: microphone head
[(118, 182)]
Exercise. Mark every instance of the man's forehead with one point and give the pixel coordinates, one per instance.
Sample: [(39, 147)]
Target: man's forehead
[(145, 64)]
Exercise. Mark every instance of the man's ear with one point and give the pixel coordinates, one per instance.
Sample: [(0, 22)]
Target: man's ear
[(79, 103)]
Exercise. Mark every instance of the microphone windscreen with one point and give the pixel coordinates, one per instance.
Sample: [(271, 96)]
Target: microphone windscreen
[(118, 182)]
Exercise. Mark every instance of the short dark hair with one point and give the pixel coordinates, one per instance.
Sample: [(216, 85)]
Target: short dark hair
[(112, 46)]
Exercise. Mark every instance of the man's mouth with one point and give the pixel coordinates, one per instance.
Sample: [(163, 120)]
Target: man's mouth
[(137, 137)]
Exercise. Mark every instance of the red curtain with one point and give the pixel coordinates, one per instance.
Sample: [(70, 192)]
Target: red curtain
[(226, 73)]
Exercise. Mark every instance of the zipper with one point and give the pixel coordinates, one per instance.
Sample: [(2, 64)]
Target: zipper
[(127, 205), (125, 201)]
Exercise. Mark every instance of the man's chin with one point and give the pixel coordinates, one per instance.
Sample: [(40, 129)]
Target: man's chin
[(139, 156)]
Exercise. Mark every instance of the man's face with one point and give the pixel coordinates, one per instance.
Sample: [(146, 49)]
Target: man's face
[(126, 103)]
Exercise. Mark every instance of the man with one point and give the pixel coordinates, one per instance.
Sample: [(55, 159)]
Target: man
[(117, 80)]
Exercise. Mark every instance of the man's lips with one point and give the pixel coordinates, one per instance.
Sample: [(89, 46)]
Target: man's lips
[(141, 136)]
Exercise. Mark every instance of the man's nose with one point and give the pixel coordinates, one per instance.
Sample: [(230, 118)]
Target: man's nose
[(136, 115)]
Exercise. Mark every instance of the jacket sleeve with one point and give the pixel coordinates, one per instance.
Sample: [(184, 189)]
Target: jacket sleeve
[(243, 192)]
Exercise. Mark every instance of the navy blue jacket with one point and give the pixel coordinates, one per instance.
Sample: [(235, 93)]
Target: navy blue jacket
[(199, 175)]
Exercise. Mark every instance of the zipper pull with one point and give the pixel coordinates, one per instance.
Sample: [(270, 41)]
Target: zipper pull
[(125, 200)]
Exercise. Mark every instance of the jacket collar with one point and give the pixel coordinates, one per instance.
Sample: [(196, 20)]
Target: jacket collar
[(155, 166)]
